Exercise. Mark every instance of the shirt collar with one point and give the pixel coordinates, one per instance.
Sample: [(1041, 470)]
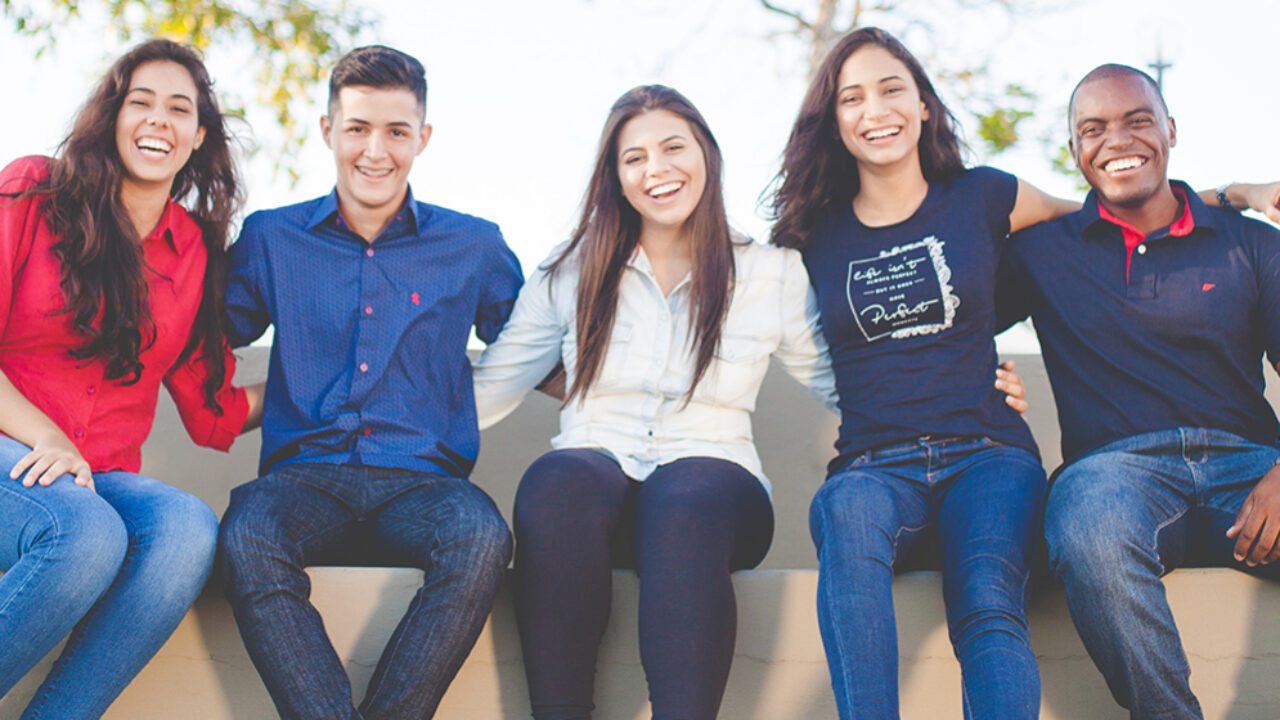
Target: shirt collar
[(169, 227), (1195, 216), (326, 210)]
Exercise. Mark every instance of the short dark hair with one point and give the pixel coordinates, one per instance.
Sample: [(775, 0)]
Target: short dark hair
[(1106, 72), (378, 66)]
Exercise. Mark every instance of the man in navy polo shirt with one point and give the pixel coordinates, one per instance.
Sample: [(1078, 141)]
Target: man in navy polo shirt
[(1153, 312), (369, 428)]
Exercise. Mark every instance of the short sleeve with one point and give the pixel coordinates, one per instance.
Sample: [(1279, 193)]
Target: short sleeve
[(246, 304), (999, 194), (206, 427), (500, 285), (1267, 243)]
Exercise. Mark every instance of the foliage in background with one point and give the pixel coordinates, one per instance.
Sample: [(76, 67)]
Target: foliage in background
[(291, 44)]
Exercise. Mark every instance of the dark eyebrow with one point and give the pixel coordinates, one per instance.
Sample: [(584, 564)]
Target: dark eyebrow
[(1136, 111), (361, 121), (881, 81), (664, 141), (152, 93)]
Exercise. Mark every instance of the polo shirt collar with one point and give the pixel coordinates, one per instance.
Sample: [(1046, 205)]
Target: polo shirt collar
[(1200, 216), (327, 210)]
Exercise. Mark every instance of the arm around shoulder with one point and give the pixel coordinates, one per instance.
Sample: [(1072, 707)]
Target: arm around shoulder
[(1033, 205)]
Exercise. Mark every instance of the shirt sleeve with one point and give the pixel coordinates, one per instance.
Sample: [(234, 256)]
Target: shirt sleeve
[(185, 383), (246, 304), (500, 286), (803, 349), (18, 221), (527, 349), (1268, 268), (1013, 303), (999, 195)]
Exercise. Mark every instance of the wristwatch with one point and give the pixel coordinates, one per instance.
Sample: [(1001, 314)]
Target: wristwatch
[(1223, 202)]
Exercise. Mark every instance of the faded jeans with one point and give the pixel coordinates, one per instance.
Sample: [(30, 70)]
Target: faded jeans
[(118, 569), (1122, 516)]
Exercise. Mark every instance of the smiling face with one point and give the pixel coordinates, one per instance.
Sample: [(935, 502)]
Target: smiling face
[(1120, 139), (878, 110), (661, 169), (158, 126), (375, 133)]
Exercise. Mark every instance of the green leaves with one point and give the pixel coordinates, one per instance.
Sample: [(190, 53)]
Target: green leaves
[(290, 45)]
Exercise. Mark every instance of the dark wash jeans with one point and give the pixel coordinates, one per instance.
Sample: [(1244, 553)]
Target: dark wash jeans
[(305, 514), (1127, 513), (983, 502)]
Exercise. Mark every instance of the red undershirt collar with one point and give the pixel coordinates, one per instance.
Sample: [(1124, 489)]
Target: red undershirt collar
[(1133, 237)]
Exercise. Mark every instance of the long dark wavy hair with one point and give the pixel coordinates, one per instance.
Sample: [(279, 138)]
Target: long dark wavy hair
[(104, 274), (609, 229), (818, 173)]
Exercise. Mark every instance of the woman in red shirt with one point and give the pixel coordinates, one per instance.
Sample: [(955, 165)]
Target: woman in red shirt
[(108, 288)]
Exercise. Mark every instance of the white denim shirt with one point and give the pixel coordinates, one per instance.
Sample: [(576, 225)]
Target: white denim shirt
[(634, 411)]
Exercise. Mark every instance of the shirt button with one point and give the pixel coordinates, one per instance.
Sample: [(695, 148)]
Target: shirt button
[(369, 252), (1142, 249), (91, 389), (368, 309), (364, 367), (650, 433), (78, 433), (368, 431)]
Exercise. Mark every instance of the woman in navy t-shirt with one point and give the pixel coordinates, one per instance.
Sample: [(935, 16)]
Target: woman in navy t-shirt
[(902, 243)]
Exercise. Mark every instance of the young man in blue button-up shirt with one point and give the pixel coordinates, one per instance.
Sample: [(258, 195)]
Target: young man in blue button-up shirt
[(369, 429), (1153, 312)]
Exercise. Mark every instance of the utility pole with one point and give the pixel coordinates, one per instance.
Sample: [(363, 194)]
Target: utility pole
[(1160, 66)]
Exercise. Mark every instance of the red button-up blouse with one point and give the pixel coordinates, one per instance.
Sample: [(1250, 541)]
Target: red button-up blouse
[(107, 420)]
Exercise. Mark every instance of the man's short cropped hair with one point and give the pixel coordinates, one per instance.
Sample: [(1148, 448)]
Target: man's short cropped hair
[(378, 66)]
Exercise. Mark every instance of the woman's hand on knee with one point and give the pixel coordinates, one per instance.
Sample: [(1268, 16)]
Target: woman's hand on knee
[(49, 459)]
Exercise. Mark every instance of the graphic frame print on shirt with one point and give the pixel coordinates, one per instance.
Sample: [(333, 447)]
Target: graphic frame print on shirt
[(894, 295)]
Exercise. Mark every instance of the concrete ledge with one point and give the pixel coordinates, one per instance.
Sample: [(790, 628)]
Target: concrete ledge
[(1229, 621), (779, 671)]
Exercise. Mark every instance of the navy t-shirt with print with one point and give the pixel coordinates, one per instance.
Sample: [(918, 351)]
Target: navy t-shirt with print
[(909, 312)]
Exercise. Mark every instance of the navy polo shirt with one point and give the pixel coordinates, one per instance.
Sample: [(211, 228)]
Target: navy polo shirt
[(369, 364), (1177, 344), (909, 313)]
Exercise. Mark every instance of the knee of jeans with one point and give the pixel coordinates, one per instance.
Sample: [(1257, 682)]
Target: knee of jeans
[(91, 536), (482, 536), (187, 530), (847, 504), (245, 536)]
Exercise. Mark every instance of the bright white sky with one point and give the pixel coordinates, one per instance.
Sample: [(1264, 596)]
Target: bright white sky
[(519, 90)]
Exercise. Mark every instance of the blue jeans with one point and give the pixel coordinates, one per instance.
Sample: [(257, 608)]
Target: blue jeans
[(982, 501), (117, 569), (305, 514), (683, 529), (1122, 516)]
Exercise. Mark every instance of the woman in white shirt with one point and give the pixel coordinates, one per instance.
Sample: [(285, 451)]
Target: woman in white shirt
[(654, 467)]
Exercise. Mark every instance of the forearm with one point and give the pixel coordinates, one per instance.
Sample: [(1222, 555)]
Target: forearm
[(23, 421), (254, 394)]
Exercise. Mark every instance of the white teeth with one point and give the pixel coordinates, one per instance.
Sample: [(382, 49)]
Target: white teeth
[(374, 173), (1123, 164), (154, 144), (664, 189), (882, 132)]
